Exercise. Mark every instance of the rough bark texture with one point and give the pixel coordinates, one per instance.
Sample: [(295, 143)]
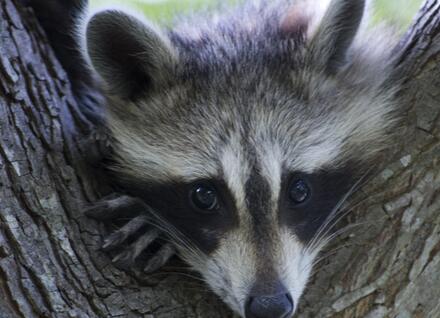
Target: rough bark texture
[(50, 264)]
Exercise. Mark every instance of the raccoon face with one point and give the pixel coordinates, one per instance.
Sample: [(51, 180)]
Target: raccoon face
[(246, 137)]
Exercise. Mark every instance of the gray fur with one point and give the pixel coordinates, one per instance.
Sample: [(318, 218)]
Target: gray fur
[(260, 89), (241, 75)]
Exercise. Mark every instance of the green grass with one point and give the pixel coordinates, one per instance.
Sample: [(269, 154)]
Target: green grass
[(398, 12), (162, 10)]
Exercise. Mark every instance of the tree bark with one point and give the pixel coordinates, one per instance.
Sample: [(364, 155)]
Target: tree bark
[(388, 265)]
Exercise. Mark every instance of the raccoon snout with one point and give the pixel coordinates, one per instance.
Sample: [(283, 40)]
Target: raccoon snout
[(270, 306)]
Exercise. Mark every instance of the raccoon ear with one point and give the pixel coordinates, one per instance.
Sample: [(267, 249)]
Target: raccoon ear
[(336, 32), (128, 53)]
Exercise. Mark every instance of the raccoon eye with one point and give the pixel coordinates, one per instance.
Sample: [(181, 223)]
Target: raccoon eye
[(299, 191), (204, 197)]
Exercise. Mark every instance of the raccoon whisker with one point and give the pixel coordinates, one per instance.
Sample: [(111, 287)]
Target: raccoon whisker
[(335, 250), (340, 232), (333, 217), (321, 240), (164, 226), (329, 253), (323, 231), (195, 286), (354, 225), (338, 217), (325, 241), (195, 289), (181, 268), (163, 238), (312, 267), (193, 280), (124, 232), (355, 205), (173, 237), (178, 237), (324, 237), (160, 258), (193, 277), (188, 285), (330, 221), (341, 216)]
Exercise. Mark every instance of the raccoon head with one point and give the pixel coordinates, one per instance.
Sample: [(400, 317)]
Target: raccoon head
[(245, 134)]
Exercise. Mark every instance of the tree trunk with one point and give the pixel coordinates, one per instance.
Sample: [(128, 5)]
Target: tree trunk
[(388, 265)]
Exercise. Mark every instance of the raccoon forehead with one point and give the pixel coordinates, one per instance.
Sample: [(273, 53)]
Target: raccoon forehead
[(184, 144), (167, 153), (147, 162), (206, 137)]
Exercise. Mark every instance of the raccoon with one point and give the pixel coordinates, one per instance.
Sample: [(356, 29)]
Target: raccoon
[(239, 135)]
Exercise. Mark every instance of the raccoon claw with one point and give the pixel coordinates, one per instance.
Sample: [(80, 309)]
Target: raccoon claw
[(160, 258), (115, 206), (137, 228), (143, 242), (121, 235), (128, 257)]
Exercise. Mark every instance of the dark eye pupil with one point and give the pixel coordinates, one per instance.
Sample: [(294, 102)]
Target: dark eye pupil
[(299, 191), (204, 197)]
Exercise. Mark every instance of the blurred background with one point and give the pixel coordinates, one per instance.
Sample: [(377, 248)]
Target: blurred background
[(396, 12)]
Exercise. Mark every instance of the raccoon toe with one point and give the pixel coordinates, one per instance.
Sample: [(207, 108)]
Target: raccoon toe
[(128, 258), (115, 206), (121, 235), (165, 253), (143, 242), (123, 260), (102, 137)]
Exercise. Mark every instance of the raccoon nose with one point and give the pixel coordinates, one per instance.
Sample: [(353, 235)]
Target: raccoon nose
[(270, 306)]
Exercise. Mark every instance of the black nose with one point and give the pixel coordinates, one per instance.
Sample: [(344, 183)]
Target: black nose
[(274, 306)]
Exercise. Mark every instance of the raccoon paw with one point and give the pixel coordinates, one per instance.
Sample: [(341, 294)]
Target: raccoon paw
[(115, 206), (102, 137), (127, 241), (97, 145), (162, 256)]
